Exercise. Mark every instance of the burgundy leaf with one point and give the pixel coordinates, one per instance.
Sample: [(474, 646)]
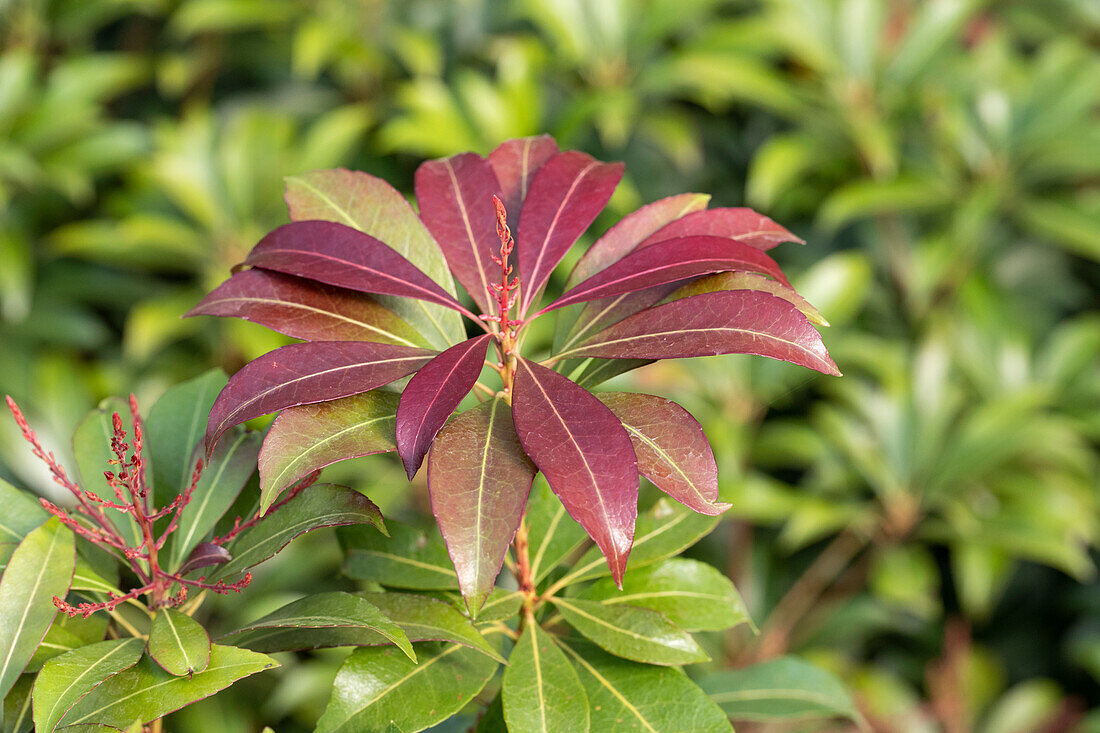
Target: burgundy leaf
[(300, 374), (672, 450), (339, 255), (306, 309), (667, 262), (204, 555), (433, 394), (727, 322), (479, 478), (565, 196), (741, 224), (515, 163), (456, 204), (750, 281), (585, 454), (600, 314)]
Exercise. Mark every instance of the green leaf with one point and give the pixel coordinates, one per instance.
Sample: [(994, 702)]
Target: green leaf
[(541, 690), (323, 610), (92, 450), (66, 634), (690, 594), (71, 676), (376, 687), (19, 514), (321, 505), (179, 643), (780, 689), (40, 568), (408, 558), (631, 632), (502, 604), (623, 695), (17, 705), (148, 692), (230, 467), (552, 535), (424, 618), (492, 720), (373, 206), (174, 429)]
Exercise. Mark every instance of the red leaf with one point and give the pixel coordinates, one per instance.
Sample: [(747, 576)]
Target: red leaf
[(339, 255), (672, 450), (668, 262), (515, 163), (305, 309), (727, 322), (433, 394), (565, 196), (456, 204), (741, 224), (585, 454), (479, 479), (300, 374)]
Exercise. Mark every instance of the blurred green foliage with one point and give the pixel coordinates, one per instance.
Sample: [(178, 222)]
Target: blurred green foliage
[(926, 526)]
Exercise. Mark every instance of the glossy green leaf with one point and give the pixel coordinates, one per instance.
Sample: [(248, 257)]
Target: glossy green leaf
[(321, 505), (624, 695), (71, 676), (178, 643), (40, 568), (17, 709), (148, 692), (693, 595), (631, 632), (67, 634), (500, 605), (541, 690), (552, 535), (230, 467), (779, 689), (376, 687), (92, 450), (408, 558), (424, 618), (322, 610), (309, 437), (20, 512)]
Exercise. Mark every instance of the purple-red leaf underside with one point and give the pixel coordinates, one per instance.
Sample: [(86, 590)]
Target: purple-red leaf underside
[(456, 204), (433, 394), (339, 255), (667, 262), (740, 224), (585, 454), (305, 373), (727, 322), (479, 479), (566, 195), (515, 163), (305, 309), (672, 450)]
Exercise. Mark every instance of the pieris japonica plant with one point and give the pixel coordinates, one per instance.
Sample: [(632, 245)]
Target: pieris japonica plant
[(594, 636)]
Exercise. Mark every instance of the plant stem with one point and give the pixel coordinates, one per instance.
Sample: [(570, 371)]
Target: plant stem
[(523, 569)]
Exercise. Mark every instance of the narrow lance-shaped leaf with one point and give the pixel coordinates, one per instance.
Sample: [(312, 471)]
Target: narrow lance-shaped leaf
[(479, 479), (515, 163), (750, 281), (408, 558), (339, 255), (631, 632), (741, 224), (456, 204), (17, 714), (566, 195), (67, 678), (40, 568), (728, 322), (667, 262), (585, 454), (374, 207), (309, 437), (306, 309), (19, 513), (178, 643), (542, 693), (672, 450), (305, 373), (174, 430), (433, 393)]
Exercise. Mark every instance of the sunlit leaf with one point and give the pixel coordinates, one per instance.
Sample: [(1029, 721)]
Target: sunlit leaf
[(631, 632), (541, 690), (515, 163), (178, 643)]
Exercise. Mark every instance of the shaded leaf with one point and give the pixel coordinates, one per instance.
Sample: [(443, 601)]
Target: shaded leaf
[(515, 163), (779, 689), (376, 687), (66, 634), (20, 512), (739, 224), (552, 535), (631, 632), (67, 678), (204, 555), (408, 558), (479, 478), (17, 709), (671, 448), (585, 454), (178, 643), (309, 437), (433, 393), (305, 373), (541, 691)]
